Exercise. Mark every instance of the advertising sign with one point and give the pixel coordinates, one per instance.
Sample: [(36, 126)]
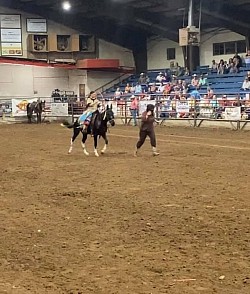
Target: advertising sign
[(11, 49), (143, 105), (19, 106), (10, 21), (36, 25), (232, 113), (59, 109), (11, 36), (182, 107)]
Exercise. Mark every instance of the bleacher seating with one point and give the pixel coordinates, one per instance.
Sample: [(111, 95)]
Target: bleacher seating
[(220, 83)]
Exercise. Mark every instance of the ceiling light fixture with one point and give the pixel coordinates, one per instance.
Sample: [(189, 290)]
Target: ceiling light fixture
[(66, 5)]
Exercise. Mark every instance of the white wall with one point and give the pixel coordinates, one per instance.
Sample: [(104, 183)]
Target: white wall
[(26, 80), (39, 81), (46, 79), (77, 77), (157, 49), (96, 79), (108, 50), (207, 40), (16, 80), (157, 53)]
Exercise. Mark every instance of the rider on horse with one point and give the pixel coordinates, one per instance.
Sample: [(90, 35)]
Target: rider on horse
[(90, 112)]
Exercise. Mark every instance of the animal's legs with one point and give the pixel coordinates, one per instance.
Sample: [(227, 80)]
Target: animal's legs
[(106, 144), (84, 138), (95, 146), (75, 134)]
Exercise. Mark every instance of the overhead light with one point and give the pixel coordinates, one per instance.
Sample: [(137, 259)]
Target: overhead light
[(66, 5)]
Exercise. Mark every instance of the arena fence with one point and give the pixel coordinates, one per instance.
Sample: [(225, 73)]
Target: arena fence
[(235, 111)]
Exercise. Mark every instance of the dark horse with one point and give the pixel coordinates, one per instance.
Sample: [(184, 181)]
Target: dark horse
[(36, 107), (99, 125)]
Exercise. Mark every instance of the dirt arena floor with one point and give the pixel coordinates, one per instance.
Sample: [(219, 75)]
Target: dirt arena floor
[(178, 223)]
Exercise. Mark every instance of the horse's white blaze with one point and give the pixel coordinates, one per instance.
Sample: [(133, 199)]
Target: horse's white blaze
[(104, 148), (96, 153), (84, 149)]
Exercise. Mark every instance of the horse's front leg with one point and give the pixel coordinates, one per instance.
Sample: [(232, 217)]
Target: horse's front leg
[(95, 146), (106, 143), (84, 138), (75, 134)]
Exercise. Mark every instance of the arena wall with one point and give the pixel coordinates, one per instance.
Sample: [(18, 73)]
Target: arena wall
[(109, 50), (104, 49), (38, 81), (25, 80)]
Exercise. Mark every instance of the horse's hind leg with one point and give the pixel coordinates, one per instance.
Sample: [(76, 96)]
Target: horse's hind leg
[(106, 143), (75, 134), (84, 138)]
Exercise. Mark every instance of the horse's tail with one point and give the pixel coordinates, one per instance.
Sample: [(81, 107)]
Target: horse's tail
[(70, 126)]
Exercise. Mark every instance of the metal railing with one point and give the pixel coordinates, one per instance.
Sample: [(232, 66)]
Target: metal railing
[(167, 108)]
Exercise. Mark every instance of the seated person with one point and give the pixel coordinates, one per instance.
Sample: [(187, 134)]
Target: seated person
[(221, 67), (138, 88), (118, 94), (237, 61), (214, 66), (246, 84), (142, 79), (195, 81), (160, 78), (247, 58), (127, 89), (202, 81)]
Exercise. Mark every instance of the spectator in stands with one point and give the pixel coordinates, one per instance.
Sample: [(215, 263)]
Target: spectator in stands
[(247, 58), (127, 89), (134, 108), (202, 81), (186, 72), (138, 89), (167, 89), (118, 94), (167, 76), (160, 88), (248, 75), (195, 95), (160, 78), (142, 79), (224, 102), (246, 84), (184, 87), (195, 81), (237, 61), (205, 102), (221, 67), (152, 89), (231, 67), (214, 102), (178, 71), (210, 93), (214, 66), (132, 89)]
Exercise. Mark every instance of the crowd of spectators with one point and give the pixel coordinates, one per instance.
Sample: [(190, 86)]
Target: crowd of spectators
[(176, 83), (233, 65)]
